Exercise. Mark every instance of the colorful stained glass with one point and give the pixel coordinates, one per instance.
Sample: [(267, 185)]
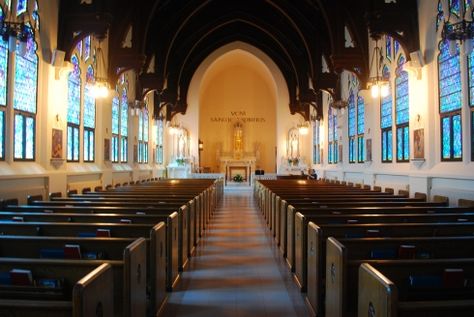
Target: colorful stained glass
[(87, 48), (88, 145), (406, 144), (21, 6), (351, 150), (384, 146), (124, 114), (440, 15), (8, 3), (115, 115), (396, 47), (470, 61), (72, 143), (30, 138), (159, 142), (26, 79), (351, 115), (446, 137), (389, 146), (74, 93), (472, 135), (123, 149), (401, 98), (360, 115), (2, 134), (386, 111), (89, 107), (115, 146), (79, 48), (455, 7), (457, 137), (388, 47), (3, 72), (140, 127), (90, 75), (330, 125), (145, 126), (19, 136), (449, 80), (400, 144), (360, 149)]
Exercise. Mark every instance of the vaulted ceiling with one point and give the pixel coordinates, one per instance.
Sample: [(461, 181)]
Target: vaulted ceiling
[(179, 34)]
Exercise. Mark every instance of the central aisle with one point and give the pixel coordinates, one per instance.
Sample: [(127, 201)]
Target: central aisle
[(237, 270)]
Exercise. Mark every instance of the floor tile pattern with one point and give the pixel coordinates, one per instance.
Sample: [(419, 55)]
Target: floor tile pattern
[(237, 270)]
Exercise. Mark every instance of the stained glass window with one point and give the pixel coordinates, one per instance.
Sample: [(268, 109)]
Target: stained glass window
[(451, 137), (316, 143), (386, 121), (360, 129), (87, 48), (3, 72), (89, 117), (159, 142), (143, 137), (396, 47), (352, 127), (115, 128), (388, 47), (402, 112), (472, 135), (74, 111), (2, 134), (24, 102), (470, 74), (21, 6), (455, 7), (124, 126), (331, 140), (440, 15)]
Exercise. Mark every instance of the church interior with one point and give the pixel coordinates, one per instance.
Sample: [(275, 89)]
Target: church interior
[(225, 157)]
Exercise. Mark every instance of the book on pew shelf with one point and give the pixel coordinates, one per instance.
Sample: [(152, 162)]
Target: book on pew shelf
[(425, 281), (407, 251), (424, 255), (5, 278), (49, 283), (18, 219), (93, 255), (373, 232), (72, 251), (383, 254), (453, 278), (140, 213), (48, 211), (87, 234), (125, 221), (103, 233), (21, 277), (52, 253), (352, 221)]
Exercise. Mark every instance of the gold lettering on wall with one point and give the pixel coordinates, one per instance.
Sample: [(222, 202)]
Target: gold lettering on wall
[(237, 116)]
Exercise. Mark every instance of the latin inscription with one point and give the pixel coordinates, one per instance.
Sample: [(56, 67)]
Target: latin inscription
[(238, 116)]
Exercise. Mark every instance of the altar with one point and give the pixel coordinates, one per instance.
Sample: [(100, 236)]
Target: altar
[(232, 167)]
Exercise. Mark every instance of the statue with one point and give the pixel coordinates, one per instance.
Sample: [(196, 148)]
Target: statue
[(238, 140)]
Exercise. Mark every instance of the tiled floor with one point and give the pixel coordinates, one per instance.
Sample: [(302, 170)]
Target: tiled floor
[(237, 270)]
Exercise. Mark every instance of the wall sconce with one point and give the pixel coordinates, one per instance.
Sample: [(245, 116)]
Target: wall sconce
[(200, 145), (136, 107), (174, 128), (303, 128)]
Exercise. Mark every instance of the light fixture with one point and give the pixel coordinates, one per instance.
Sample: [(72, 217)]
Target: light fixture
[(174, 128), (378, 85), (200, 145), (303, 128), (136, 107), (16, 31), (101, 84), (462, 31)]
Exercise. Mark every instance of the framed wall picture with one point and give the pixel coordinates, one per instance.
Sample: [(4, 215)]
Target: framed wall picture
[(57, 144), (106, 149), (419, 144), (368, 149)]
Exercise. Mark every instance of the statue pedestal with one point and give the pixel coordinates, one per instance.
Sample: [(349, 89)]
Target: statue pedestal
[(231, 167), (179, 171)]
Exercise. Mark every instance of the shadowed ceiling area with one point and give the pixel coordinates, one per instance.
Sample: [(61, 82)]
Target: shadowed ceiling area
[(170, 39)]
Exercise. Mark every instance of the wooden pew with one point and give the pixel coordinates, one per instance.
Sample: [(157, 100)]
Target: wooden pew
[(317, 236), (129, 269), (344, 256), (87, 289), (384, 291)]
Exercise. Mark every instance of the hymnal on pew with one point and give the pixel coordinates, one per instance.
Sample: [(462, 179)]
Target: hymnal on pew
[(103, 233), (21, 277), (72, 251)]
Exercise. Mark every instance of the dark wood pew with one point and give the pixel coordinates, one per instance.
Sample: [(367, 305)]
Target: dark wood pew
[(384, 289), (297, 259), (344, 256), (317, 235), (87, 288), (129, 270)]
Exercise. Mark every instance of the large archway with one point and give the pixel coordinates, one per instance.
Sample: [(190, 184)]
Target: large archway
[(238, 81)]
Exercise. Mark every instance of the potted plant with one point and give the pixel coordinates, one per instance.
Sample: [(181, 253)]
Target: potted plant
[(238, 178), (180, 161)]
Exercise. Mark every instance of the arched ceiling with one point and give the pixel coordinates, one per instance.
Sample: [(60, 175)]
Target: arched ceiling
[(179, 34)]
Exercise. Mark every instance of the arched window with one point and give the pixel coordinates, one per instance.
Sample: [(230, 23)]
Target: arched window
[(332, 137), (386, 121), (24, 102), (81, 104), (159, 141), (124, 125), (3, 90), (115, 129), (470, 61), (360, 129), (73, 111), (89, 115), (402, 112), (143, 136), (316, 136), (352, 126), (450, 102)]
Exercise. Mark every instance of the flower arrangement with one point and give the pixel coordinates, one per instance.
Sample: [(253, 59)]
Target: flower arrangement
[(180, 161), (293, 161), (238, 178)]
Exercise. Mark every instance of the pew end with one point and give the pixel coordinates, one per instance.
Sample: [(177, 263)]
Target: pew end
[(54, 195), (377, 189), (336, 259), (389, 190), (313, 293), (441, 199), (30, 199), (88, 296), (404, 193), (421, 196), (377, 294), (465, 203), (158, 268), (135, 265)]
